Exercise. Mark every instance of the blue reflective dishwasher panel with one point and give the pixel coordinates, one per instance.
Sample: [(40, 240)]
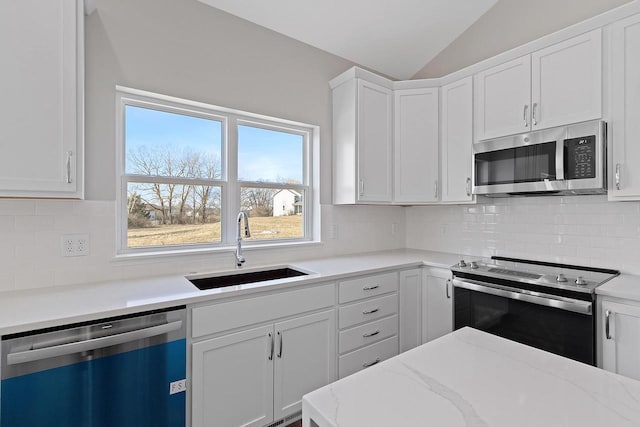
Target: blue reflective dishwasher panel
[(129, 389)]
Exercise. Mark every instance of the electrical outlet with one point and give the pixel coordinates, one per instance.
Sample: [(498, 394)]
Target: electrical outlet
[(394, 228), (75, 245), (178, 386)]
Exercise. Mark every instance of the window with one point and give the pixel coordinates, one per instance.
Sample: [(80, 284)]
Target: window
[(187, 169)]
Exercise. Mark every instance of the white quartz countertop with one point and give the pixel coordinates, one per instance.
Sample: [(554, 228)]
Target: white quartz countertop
[(471, 378), (26, 310), (626, 286)]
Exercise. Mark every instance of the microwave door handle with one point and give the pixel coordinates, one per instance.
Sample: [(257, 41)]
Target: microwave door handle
[(568, 304), (560, 160)]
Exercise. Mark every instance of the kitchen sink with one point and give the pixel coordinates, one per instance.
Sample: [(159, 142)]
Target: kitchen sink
[(215, 282)]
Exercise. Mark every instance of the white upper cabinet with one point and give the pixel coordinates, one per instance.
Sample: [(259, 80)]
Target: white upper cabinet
[(566, 82), (624, 146), (415, 146), (457, 141), (558, 85), (362, 133), (503, 94), (41, 119)]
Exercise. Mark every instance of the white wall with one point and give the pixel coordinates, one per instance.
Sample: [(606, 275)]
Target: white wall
[(508, 24), (584, 230), (185, 49)]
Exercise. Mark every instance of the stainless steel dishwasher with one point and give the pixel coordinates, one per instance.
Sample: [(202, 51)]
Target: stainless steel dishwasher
[(121, 371)]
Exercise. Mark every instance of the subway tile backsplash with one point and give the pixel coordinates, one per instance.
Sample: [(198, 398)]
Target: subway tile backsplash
[(585, 230), (31, 243), (579, 230)]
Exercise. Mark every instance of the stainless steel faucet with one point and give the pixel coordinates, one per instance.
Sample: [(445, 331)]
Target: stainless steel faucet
[(247, 233)]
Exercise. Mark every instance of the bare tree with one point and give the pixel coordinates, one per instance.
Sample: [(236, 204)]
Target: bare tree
[(257, 201), (171, 201)]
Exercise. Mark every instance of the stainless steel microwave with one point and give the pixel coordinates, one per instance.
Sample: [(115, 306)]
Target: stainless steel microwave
[(562, 160)]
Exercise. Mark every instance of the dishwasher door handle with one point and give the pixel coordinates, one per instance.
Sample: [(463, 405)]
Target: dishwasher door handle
[(92, 344)]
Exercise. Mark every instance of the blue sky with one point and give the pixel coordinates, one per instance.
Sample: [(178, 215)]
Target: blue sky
[(262, 154)]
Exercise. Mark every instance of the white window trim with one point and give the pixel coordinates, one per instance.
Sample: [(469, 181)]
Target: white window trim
[(229, 184)]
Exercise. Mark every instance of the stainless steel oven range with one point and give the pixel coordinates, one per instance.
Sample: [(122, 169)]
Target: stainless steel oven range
[(545, 305)]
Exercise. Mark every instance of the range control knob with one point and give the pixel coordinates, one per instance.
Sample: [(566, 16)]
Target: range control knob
[(462, 263), (473, 265), (580, 281), (561, 278)]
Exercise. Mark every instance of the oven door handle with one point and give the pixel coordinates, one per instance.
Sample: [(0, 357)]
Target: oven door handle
[(569, 304)]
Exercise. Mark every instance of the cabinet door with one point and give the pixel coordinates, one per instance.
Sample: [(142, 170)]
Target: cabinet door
[(232, 379), (41, 87), (457, 141), (624, 128), (437, 307), (621, 336), (305, 359), (502, 99), (374, 142), (566, 82), (410, 309), (416, 146)]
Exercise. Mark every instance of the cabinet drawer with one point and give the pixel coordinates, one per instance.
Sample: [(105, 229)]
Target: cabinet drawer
[(364, 287), (367, 356), (365, 311), (368, 333), (216, 318)]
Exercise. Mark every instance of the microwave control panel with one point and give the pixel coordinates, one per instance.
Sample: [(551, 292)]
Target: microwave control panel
[(580, 157)]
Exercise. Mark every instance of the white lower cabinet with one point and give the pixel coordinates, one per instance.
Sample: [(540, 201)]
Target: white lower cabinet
[(233, 379), (620, 331), (258, 375), (367, 321), (304, 360), (410, 309), (426, 306), (437, 304)]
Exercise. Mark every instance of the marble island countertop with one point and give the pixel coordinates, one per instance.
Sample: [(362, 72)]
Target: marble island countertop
[(470, 378)]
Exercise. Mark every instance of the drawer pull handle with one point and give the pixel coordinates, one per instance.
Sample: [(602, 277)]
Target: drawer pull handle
[(367, 364), (607, 331), (370, 288), (272, 345), (371, 334), (374, 310)]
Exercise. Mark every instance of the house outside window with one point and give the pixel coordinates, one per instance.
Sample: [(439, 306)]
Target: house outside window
[(186, 169)]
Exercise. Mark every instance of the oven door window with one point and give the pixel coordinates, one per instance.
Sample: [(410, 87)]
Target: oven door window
[(531, 163), (558, 331)]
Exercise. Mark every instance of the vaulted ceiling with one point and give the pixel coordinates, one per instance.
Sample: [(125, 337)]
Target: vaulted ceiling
[(396, 38)]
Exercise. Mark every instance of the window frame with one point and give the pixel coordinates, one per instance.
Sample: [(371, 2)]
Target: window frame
[(229, 184)]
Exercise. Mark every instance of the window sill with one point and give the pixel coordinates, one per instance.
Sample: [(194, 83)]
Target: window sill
[(246, 247)]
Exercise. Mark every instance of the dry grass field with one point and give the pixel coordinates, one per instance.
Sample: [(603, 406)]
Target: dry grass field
[(278, 227)]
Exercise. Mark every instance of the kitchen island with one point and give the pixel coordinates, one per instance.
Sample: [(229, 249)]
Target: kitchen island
[(471, 378)]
